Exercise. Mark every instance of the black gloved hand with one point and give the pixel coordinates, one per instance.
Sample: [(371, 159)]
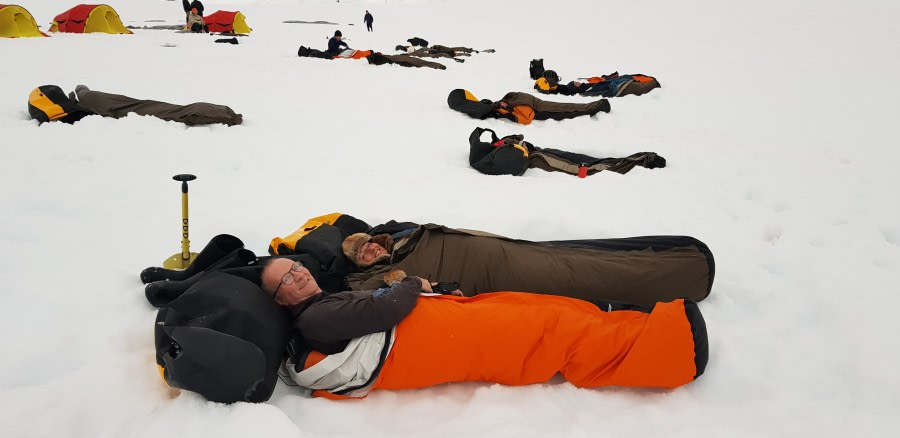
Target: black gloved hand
[(445, 287)]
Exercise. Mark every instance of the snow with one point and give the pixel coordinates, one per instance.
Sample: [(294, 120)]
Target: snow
[(778, 121)]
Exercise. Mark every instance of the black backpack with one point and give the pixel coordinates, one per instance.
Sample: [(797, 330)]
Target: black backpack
[(224, 338), (536, 69), (551, 77)]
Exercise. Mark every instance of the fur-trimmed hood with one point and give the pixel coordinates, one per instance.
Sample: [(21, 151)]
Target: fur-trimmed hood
[(353, 243)]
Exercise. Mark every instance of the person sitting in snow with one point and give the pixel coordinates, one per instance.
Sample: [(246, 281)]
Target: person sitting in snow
[(404, 337), (195, 22), (336, 45), (195, 6)]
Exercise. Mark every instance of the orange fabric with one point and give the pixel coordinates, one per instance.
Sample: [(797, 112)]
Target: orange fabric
[(521, 148), (595, 80), (313, 358), (642, 78), (524, 114), (325, 394), (521, 338), (360, 54)]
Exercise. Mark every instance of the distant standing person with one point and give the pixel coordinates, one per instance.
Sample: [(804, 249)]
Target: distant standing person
[(368, 19), (188, 5)]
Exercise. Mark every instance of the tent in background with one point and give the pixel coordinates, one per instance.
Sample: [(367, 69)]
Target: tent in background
[(227, 22), (17, 22), (89, 19)]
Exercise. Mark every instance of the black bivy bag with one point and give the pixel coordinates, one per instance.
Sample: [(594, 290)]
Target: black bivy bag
[(416, 41), (306, 52), (512, 155), (506, 156), (224, 338), (49, 103)]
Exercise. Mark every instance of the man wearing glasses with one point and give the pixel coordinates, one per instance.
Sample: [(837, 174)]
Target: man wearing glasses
[(390, 338), (362, 312)]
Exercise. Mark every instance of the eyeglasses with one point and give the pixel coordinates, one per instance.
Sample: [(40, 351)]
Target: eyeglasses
[(287, 278)]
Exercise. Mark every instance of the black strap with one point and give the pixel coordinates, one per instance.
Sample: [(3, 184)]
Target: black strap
[(493, 134)]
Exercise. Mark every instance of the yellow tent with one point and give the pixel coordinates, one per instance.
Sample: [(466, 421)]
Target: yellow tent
[(88, 19), (16, 22)]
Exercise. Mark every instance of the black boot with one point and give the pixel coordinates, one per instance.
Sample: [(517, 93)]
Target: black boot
[(161, 293), (218, 247)]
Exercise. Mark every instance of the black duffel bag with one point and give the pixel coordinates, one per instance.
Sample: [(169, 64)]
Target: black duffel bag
[(224, 338)]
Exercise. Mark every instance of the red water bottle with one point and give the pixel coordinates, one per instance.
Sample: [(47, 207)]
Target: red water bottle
[(582, 171)]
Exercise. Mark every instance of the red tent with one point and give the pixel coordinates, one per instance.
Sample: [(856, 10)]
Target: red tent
[(74, 19), (227, 21), (88, 19)]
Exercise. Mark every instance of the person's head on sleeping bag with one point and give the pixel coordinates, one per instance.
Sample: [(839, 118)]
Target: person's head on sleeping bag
[(289, 282), (365, 250)]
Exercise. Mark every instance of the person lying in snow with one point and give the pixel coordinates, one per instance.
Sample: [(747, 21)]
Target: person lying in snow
[(374, 58), (49, 103), (612, 85), (521, 108), (416, 42), (377, 58), (404, 337), (439, 52), (425, 52), (512, 155), (639, 270)]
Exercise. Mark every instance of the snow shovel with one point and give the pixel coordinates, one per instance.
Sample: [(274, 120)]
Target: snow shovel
[(184, 258)]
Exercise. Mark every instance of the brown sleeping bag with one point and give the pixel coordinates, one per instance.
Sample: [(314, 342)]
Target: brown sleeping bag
[(638, 270)]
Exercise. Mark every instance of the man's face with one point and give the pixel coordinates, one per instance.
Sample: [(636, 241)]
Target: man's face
[(290, 284), (370, 251)]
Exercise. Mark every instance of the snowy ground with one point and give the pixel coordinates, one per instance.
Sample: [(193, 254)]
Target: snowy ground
[(778, 120)]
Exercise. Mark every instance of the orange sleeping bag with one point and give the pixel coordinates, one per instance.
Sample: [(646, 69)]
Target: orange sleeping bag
[(522, 338)]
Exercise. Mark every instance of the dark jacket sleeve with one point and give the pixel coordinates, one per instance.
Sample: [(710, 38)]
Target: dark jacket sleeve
[(186, 5), (334, 46), (329, 323)]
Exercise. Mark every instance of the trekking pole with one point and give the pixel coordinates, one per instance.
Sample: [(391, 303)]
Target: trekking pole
[(184, 258)]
